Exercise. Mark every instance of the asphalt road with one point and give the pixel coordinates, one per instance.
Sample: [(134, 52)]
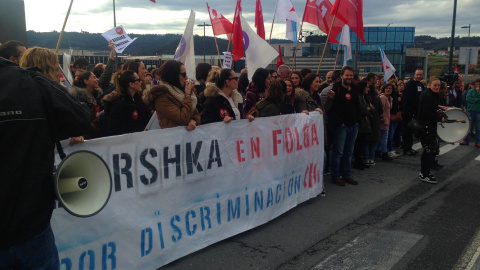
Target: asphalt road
[(391, 220)]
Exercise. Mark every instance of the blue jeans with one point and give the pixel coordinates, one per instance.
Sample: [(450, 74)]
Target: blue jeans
[(474, 120), (343, 144), (38, 252), (391, 131), (369, 150), (382, 144)]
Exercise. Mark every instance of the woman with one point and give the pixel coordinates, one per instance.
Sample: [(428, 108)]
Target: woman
[(274, 102), (308, 98), (296, 78), (173, 97), (376, 109), (385, 97), (125, 111), (223, 102), (396, 140), (428, 118), (85, 89), (290, 94), (364, 126), (261, 80)]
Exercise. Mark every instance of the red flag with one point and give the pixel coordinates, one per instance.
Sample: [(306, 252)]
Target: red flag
[(153, 1), (237, 39), (280, 61), (220, 24), (318, 13), (350, 12), (259, 19), (455, 70)]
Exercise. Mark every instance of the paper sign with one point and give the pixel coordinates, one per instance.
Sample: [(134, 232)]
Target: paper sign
[(119, 37), (227, 60)]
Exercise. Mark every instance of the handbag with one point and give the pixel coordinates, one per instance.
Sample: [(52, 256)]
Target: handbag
[(415, 126)]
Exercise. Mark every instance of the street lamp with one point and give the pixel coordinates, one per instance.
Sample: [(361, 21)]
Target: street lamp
[(204, 25), (468, 56), (468, 40)]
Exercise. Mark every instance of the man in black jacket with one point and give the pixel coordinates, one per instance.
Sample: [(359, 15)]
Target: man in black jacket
[(413, 90), (31, 107), (428, 116)]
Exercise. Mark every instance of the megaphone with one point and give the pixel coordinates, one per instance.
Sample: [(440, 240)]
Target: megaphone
[(83, 183)]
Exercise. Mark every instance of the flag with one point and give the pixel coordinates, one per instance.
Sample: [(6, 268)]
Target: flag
[(387, 67), (351, 13), (237, 39), (455, 70), (259, 19), (317, 12), (258, 52), (153, 1), (185, 52), (285, 10), (220, 24), (280, 60), (347, 45)]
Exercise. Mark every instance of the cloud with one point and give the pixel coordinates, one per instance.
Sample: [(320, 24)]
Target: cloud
[(429, 17)]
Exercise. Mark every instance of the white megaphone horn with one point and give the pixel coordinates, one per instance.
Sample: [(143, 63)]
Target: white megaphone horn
[(83, 183)]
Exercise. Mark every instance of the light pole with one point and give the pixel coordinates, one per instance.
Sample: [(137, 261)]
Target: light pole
[(452, 38), (467, 62), (204, 25)]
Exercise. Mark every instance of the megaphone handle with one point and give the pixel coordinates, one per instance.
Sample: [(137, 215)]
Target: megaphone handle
[(60, 149)]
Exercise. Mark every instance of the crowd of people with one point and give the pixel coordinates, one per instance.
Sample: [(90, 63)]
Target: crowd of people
[(364, 118)]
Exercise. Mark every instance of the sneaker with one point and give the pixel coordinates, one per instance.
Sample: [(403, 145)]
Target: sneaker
[(386, 157), (338, 182), (392, 154), (372, 162), (427, 178), (410, 152), (464, 143), (350, 181)]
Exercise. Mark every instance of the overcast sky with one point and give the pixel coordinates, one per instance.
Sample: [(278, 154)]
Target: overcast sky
[(429, 17)]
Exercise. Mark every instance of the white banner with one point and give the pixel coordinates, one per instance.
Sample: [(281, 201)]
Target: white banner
[(175, 192), (119, 38)]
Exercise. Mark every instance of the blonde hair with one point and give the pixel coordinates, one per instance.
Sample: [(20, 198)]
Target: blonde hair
[(213, 76), (41, 58)]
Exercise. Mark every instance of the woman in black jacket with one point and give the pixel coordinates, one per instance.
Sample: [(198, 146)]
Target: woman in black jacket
[(125, 111), (223, 101)]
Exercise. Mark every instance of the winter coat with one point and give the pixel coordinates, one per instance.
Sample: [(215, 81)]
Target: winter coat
[(252, 96), (124, 114), (303, 101), (170, 111), (385, 116), (80, 94), (217, 106)]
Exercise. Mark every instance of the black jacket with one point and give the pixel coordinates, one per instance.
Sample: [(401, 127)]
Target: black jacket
[(345, 107), (217, 106), (124, 114), (411, 96), (428, 110), (30, 104)]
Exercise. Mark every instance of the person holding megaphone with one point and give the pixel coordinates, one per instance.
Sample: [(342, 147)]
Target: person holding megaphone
[(35, 111)]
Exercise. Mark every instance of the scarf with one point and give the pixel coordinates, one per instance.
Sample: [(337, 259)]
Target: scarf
[(180, 94)]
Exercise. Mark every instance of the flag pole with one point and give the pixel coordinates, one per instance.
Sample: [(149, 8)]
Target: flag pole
[(271, 29), (326, 43), (296, 47), (336, 58), (63, 28), (216, 44)]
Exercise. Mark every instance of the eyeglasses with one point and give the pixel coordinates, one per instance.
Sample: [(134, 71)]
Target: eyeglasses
[(233, 78), (184, 74), (137, 80)]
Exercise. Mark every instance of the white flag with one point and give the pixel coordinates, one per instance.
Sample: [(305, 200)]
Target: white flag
[(345, 41), (285, 10), (185, 52), (388, 69), (258, 53)]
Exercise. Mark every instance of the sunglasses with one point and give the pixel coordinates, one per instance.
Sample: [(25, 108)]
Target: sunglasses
[(275, 77), (184, 74), (137, 80), (233, 78)]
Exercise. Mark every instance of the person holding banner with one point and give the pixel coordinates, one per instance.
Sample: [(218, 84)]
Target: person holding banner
[(43, 113), (223, 102), (125, 111), (261, 80), (173, 97), (274, 102)]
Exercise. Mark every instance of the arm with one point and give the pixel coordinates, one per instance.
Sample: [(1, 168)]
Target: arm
[(106, 76), (472, 96)]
